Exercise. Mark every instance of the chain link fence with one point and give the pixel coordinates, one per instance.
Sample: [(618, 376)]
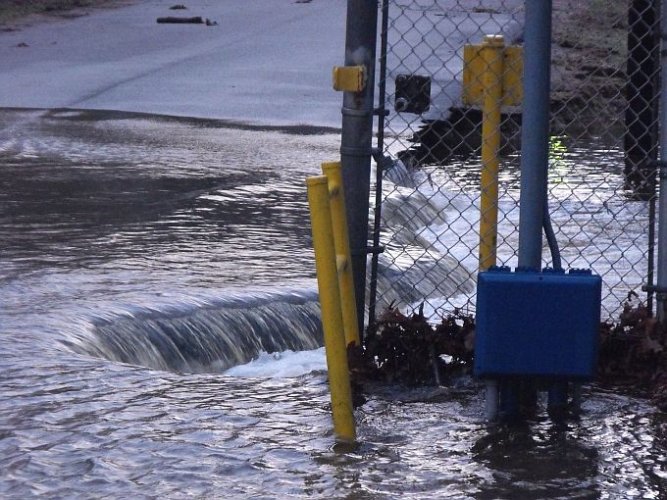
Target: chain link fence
[(603, 141)]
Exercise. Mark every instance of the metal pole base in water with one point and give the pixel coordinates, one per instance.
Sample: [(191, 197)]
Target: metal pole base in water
[(557, 406), (509, 400), (491, 403)]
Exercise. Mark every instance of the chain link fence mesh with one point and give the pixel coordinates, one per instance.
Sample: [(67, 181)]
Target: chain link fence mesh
[(603, 140)]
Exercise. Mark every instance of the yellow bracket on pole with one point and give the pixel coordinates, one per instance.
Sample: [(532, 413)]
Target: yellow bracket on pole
[(491, 78), (330, 304), (342, 246), (349, 78)]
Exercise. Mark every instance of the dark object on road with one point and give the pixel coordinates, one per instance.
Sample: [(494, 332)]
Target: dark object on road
[(178, 7), (181, 20), (186, 20)]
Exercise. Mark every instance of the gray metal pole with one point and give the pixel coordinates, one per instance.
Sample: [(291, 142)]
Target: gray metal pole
[(357, 137), (661, 282), (534, 130)]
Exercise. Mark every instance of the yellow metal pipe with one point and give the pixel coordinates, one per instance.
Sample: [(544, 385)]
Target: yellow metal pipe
[(342, 245), (492, 54), (332, 322)]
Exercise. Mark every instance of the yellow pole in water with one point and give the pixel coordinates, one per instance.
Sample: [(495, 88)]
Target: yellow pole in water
[(492, 54), (342, 245), (332, 322)]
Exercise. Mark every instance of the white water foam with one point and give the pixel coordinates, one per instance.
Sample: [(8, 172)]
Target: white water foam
[(286, 364)]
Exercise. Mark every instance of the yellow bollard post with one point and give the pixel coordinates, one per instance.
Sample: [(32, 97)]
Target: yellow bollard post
[(492, 54), (332, 322), (342, 245)]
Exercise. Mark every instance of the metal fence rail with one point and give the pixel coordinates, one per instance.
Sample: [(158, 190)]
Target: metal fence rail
[(602, 148)]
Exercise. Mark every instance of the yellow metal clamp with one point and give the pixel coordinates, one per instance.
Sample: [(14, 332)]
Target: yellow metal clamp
[(330, 304), (349, 78)]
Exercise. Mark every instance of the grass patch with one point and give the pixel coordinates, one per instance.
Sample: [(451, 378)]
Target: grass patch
[(13, 10)]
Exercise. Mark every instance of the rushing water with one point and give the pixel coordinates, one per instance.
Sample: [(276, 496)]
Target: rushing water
[(142, 257)]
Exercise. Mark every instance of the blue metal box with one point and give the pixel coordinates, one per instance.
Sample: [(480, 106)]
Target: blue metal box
[(532, 323)]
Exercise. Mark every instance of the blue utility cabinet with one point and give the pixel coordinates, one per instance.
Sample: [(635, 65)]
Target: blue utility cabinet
[(532, 323)]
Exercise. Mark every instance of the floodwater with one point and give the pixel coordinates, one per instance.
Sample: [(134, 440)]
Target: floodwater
[(142, 257)]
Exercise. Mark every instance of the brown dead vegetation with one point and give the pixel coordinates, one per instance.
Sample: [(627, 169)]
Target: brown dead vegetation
[(407, 349)]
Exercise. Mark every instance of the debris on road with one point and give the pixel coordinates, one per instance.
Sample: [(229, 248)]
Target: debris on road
[(186, 20)]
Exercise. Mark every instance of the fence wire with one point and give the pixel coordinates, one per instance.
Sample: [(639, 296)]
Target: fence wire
[(602, 148)]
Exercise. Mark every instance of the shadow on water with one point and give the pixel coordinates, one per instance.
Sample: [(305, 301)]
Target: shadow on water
[(551, 457)]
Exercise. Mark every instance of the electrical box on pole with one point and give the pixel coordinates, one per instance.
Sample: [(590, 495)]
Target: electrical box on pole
[(537, 324)]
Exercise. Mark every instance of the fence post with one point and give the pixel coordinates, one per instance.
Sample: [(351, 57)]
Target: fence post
[(357, 136), (535, 131), (534, 153), (640, 140), (661, 283)]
